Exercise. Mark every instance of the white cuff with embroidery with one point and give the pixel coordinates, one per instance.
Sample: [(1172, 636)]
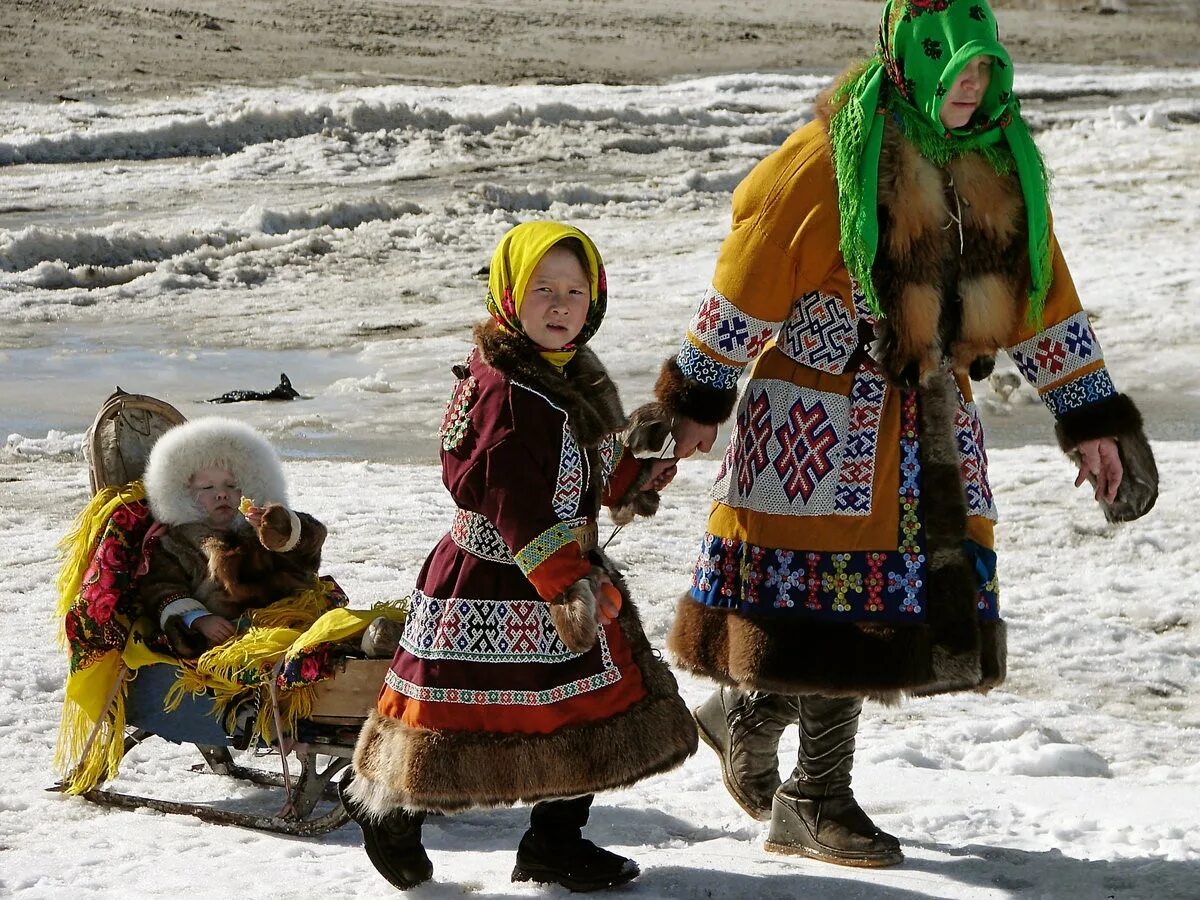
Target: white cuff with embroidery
[(180, 607)]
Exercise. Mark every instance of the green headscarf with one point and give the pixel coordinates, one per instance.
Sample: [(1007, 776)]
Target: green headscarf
[(513, 263), (923, 47)]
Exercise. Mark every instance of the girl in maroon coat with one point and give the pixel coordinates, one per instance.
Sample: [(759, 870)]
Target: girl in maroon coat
[(523, 673)]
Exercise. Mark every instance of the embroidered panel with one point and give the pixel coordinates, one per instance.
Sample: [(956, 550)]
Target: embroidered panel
[(457, 417), (857, 472), (820, 333), (860, 302), (476, 534), (555, 538), (972, 458), (861, 585), (479, 648), (572, 477), (611, 451), (702, 368), (482, 630), (1080, 392), (1056, 353), (798, 451), (732, 333)]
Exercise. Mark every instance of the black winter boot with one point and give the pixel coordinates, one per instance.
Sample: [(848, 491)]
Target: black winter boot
[(814, 812), (393, 843), (553, 850), (744, 728)]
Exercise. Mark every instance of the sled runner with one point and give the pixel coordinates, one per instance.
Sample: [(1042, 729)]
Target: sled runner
[(123, 690)]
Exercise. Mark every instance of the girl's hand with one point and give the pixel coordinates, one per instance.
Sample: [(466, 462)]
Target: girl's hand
[(1100, 458), (254, 515), (216, 629), (608, 600), (662, 472)]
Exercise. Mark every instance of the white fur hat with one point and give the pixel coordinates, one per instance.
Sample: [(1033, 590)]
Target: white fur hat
[(213, 441)]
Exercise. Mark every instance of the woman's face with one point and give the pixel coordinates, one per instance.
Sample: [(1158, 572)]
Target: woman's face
[(217, 493), (555, 306), (967, 92)]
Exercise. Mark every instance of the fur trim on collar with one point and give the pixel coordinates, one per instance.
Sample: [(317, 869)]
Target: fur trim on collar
[(583, 388), (213, 441)]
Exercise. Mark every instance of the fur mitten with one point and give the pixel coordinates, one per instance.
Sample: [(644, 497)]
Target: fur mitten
[(1116, 417), (574, 615), (280, 528)]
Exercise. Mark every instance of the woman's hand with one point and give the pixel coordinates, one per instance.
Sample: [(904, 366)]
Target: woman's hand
[(662, 472), (1100, 458), (691, 436), (216, 629)]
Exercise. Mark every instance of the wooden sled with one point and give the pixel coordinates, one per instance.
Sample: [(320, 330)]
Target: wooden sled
[(117, 446)]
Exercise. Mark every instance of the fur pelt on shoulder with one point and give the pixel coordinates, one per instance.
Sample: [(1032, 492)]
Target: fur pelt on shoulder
[(583, 389), (944, 293), (210, 442)]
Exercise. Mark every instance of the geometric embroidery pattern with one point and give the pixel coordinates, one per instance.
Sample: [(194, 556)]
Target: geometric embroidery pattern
[(857, 472), (859, 585), (703, 369), (729, 331), (611, 452), (972, 459), (476, 534), (491, 631), (1054, 354), (481, 630), (568, 490), (1079, 392), (820, 333), (806, 440), (554, 538), (786, 452)]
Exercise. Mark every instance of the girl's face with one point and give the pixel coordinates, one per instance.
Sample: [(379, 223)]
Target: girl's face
[(555, 306), (217, 493), (967, 92)]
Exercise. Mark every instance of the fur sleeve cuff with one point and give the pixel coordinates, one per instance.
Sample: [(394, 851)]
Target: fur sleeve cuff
[(1111, 417), (574, 616), (1116, 417), (683, 396)]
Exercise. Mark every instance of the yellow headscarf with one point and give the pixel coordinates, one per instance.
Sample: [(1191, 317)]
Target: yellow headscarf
[(516, 256)]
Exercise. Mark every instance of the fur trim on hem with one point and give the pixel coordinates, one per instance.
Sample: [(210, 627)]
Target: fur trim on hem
[(700, 403), (879, 661), (420, 769)]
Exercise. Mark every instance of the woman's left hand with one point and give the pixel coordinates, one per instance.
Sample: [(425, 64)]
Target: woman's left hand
[(1099, 457)]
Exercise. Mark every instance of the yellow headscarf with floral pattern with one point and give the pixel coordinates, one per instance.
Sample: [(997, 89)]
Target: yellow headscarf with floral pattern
[(513, 263)]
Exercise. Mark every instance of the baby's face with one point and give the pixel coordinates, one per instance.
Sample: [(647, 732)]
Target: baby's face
[(217, 493)]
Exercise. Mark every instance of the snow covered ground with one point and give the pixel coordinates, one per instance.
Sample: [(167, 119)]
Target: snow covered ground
[(191, 246)]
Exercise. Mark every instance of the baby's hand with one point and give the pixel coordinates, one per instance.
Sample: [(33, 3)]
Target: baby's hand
[(662, 473), (216, 629), (252, 513)]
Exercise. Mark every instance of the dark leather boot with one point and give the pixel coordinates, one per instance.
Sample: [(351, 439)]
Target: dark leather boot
[(554, 851), (393, 843), (814, 812), (744, 728)]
